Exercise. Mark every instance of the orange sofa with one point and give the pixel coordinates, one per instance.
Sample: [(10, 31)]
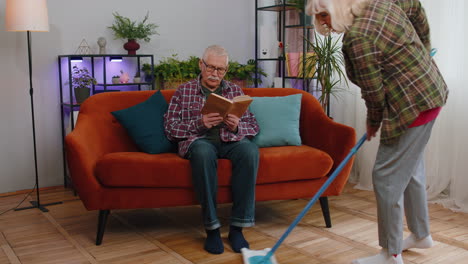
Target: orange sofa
[(109, 172)]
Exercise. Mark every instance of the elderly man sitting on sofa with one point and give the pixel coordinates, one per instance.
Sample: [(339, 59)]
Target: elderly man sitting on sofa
[(204, 138)]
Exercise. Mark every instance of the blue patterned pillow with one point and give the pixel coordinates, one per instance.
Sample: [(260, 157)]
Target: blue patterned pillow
[(278, 119)]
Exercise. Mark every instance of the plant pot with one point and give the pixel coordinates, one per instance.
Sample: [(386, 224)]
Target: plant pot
[(116, 80), (239, 82), (131, 46), (81, 94), (173, 84), (136, 80), (149, 77)]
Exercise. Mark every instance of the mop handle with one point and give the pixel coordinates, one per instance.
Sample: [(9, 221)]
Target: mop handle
[(316, 196)]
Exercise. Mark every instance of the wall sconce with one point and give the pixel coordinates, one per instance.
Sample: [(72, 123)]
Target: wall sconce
[(76, 59), (115, 59)]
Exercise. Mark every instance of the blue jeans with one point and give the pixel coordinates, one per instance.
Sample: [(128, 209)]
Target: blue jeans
[(203, 155)]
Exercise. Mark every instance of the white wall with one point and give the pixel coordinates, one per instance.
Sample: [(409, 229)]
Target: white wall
[(186, 27)]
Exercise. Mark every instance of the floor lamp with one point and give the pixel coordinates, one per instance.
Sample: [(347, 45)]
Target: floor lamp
[(29, 15)]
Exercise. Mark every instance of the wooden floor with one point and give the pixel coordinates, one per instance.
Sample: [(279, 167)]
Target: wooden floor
[(66, 234)]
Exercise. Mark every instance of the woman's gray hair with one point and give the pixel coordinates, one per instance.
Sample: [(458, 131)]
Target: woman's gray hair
[(216, 50), (342, 13)]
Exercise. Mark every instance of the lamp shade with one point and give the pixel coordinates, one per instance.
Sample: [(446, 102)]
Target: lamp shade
[(26, 15)]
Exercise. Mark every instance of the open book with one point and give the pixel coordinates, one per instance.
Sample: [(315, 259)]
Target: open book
[(218, 104)]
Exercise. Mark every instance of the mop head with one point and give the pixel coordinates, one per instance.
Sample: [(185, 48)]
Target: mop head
[(257, 256)]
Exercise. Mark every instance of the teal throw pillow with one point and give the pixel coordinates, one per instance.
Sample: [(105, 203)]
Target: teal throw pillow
[(144, 123), (278, 119)]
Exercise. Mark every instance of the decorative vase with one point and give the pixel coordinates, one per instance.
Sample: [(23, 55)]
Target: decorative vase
[(131, 46), (136, 80), (124, 78), (81, 94), (115, 80)]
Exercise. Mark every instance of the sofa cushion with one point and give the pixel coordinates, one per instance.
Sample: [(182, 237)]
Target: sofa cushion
[(144, 123), (168, 170), (278, 119)]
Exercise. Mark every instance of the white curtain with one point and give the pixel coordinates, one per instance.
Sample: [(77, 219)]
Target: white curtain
[(447, 151)]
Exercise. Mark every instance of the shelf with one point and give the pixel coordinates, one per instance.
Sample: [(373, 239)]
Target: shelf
[(276, 8), (271, 59), (300, 26), (100, 67), (122, 84), (104, 55), (71, 105), (289, 21), (299, 78)]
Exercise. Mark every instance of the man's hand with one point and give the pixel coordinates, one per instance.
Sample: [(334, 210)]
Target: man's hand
[(212, 119), (232, 122), (371, 131)]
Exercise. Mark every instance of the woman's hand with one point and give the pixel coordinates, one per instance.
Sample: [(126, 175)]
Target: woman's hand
[(371, 131)]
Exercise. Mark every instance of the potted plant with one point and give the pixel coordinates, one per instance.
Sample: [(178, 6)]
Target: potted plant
[(124, 28), (115, 79), (148, 71), (81, 82), (172, 71), (326, 65), (244, 75)]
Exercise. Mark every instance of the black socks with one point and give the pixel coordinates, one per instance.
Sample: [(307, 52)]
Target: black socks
[(213, 242), (236, 238)]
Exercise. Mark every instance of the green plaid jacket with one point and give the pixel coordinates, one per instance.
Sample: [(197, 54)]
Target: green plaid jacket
[(386, 52)]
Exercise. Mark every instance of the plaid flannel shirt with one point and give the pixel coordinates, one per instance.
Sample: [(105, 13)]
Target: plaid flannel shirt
[(386, 53), (183, 119)]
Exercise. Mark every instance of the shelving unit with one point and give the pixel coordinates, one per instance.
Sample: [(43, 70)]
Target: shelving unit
[(282, 10), (99, 67)]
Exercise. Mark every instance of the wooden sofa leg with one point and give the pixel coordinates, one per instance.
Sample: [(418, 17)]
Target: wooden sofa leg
[(325, 211), (101, 225)]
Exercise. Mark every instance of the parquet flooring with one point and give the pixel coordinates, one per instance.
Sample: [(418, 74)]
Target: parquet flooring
[(66, 234)]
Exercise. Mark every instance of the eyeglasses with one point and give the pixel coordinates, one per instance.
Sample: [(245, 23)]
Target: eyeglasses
[(211, 68)]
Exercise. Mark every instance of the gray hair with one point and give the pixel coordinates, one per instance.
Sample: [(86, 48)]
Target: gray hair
[(342, 13), (216, 50)]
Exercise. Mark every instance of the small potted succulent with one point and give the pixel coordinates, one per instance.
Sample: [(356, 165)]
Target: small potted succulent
[(137, 77), (81, 82), (115, 79), (124, 28)]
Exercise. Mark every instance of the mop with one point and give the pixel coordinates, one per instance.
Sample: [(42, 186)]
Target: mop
[(266, 256)]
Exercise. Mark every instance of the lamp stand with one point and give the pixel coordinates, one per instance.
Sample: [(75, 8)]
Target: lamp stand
[(37, 203)]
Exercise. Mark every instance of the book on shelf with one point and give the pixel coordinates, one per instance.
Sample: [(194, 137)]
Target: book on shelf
[(219, 104)]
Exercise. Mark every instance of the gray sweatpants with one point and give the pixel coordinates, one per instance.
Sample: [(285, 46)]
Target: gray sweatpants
[(399, 177)]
